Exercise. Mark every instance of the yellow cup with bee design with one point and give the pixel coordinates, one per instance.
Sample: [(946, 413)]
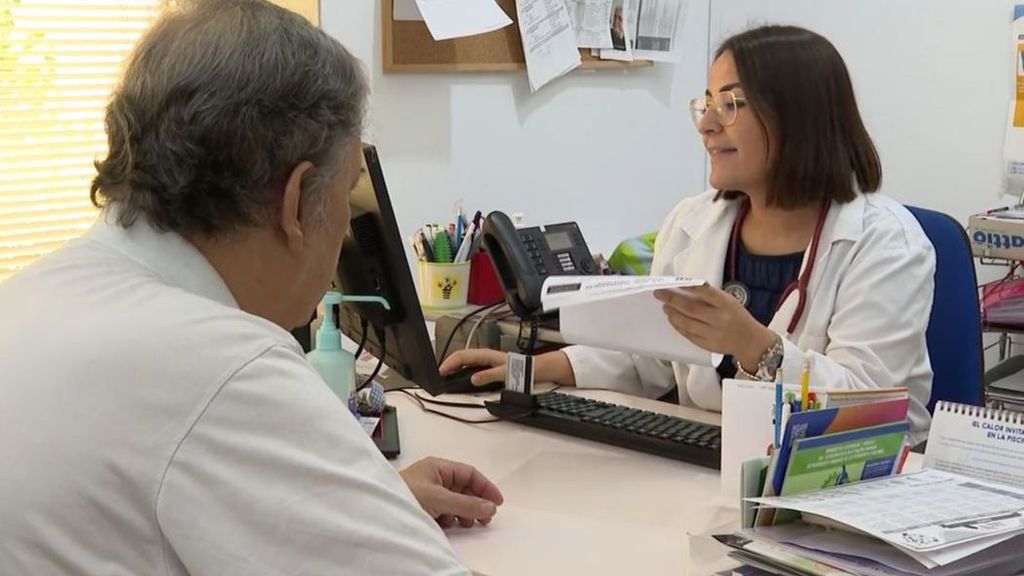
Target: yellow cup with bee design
[(443, 285)]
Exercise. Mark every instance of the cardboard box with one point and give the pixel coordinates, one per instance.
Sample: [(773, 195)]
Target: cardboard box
[(995, 237)]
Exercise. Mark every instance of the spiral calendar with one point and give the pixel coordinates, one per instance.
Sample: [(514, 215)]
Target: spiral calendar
[(979, 442)]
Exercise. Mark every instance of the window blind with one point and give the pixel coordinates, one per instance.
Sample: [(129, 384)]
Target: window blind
[(59, 61), (58, 64)]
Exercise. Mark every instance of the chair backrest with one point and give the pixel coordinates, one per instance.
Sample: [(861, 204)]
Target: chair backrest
[(954, 327)]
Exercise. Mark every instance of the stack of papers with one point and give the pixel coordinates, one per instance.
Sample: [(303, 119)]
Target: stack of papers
[(621, 313), (817, 550), (909, 524)]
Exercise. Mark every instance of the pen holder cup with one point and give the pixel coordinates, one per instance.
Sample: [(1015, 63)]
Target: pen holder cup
[(443, 286)]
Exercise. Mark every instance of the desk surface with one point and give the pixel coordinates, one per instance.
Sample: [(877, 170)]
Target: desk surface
[(571, 506)]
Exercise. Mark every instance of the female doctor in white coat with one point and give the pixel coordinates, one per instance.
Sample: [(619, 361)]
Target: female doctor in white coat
[(804, 262)]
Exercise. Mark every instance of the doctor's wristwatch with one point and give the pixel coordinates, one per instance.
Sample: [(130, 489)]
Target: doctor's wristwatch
[(769, 363)]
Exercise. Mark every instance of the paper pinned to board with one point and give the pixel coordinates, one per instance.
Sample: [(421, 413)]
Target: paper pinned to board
[(619, 25), (549, 40), (657, 30), (646, 30), (621, 313), (406, 10), (448, 19), (590, 19)]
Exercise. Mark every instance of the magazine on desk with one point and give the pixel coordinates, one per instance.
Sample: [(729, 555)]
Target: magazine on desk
[(621, 313), (962, 514)]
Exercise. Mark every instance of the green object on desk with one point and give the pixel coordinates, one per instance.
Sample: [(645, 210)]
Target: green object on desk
[(442, 248), (634, 256)]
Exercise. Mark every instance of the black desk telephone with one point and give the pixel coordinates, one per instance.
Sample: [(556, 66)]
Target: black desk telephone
[(525, 257)]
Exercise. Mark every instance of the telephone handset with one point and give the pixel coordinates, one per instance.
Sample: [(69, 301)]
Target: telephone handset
[(525, 257)]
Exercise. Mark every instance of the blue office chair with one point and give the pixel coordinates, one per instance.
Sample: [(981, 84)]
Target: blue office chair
[(954, 327)]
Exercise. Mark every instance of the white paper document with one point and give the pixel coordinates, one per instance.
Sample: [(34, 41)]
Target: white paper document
[(406, 10), (926, 514), (549, 40), (457, 18), (859, 554), (978, 442), (559, 291), (619, 25), (621, 313), (656, 30), (590, 19)]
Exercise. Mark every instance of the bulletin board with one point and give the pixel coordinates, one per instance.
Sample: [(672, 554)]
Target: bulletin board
[(308, 8), (409, 47)]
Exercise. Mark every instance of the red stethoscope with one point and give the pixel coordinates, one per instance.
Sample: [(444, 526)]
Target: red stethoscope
[(739, 290)]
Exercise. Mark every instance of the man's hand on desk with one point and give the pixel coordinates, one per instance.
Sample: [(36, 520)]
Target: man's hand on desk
[(547, 367), (452, 492)]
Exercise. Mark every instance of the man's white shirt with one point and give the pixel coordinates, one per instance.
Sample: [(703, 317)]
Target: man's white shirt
[(149, 426)]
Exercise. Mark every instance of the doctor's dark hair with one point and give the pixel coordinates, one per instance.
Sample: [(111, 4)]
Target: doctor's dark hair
[(798, 86), (219, 102)]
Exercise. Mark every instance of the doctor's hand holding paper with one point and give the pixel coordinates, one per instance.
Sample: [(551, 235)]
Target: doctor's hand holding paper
[(717, 322), (804, 262)]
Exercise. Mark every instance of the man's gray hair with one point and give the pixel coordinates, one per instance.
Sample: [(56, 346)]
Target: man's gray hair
[(219, 102)]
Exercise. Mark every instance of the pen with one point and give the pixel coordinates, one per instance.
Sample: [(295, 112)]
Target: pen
[(465, 249), (418, 248), (460, 227), (778, 407), (428, 251), (791, 402), (805, 384)]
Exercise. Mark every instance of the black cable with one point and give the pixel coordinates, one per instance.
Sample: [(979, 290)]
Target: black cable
[(451, 404), (365, 327), (445, 414), (455, 329), (531, 342), (424, 407), (382, 338), (534, 329)]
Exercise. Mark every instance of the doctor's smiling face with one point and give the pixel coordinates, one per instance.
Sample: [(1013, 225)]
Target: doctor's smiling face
[(734, 136)]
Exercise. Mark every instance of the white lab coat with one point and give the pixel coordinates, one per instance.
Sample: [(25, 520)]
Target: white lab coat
[(868, 303)]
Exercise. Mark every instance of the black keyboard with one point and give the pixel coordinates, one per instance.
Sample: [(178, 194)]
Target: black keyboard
[(619, 425)]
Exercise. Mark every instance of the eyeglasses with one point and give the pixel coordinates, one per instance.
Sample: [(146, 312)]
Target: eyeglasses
[(725, 105)]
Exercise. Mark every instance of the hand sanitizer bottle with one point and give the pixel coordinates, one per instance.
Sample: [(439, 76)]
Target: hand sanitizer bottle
[(336, 365)]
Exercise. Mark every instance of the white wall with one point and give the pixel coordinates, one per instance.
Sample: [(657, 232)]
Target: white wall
[(615, 150), (612, 150)]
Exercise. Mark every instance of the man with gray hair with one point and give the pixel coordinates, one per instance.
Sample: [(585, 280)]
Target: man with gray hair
[(156, 417)]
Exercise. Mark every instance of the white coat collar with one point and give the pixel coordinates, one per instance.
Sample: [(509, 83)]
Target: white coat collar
[(709, 228), (167, 254), (845, 221)]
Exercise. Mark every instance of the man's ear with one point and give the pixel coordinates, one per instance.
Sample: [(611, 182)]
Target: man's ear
[(290, 217)]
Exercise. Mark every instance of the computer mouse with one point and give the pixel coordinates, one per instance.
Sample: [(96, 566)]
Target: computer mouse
[(459, 382)]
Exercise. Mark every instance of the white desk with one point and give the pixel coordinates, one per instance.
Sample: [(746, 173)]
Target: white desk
[(571, 506)]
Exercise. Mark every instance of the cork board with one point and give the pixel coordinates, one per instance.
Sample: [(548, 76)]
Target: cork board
[(308, 8), (409, 47)]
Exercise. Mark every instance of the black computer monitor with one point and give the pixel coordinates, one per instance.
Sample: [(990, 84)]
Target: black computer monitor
[(373, 262)]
